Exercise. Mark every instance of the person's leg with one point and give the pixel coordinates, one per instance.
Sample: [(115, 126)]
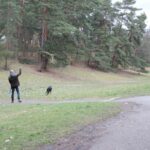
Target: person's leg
[(12, 94), (18, 94)]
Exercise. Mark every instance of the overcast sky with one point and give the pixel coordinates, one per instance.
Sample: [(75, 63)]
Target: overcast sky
[(145, 5)]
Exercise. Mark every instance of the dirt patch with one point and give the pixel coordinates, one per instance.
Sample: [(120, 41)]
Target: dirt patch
[(59, 75), (54, 73)]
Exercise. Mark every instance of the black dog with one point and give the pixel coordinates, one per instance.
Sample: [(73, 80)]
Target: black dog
[(49, 90)]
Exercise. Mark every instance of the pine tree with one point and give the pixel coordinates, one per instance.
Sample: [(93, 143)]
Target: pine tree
[(103, 35)]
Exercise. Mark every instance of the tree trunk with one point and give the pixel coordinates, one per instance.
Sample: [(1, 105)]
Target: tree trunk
[(6, 63), (44, 26), (44, 63), (44, 37)]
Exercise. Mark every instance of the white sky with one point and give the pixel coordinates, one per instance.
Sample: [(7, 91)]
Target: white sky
[(145, 5)]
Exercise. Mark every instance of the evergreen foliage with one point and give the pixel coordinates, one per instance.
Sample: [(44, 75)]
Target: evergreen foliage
[(144, 49), (102, 34)]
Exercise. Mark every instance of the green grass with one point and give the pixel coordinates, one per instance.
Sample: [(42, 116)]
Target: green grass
[(75, 83), (28, 126)]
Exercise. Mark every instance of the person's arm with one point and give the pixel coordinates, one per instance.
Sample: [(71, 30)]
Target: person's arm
[(20, 71), (9, 80)]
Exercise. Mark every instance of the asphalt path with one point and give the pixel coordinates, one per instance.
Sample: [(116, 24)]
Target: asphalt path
[(130, 131)]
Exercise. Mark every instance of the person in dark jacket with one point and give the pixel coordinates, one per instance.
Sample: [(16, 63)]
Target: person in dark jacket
[(14, 83)]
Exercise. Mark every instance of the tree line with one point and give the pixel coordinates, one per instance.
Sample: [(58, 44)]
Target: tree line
[(98, 33)]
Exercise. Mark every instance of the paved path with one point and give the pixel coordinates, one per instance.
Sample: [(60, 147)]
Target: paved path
[(130, 131), (83, 100)]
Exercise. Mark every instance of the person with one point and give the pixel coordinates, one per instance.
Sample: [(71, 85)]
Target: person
[(14, 83)]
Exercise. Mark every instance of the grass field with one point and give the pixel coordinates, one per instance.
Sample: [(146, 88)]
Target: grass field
[(75, 83), (25, 127)]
